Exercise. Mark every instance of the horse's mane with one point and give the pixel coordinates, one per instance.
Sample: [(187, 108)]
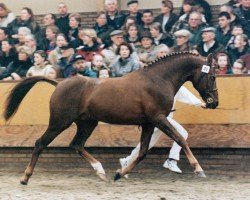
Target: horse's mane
[(171, 55)]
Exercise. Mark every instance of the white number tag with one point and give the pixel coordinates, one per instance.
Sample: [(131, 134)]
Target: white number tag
[(205, 69)]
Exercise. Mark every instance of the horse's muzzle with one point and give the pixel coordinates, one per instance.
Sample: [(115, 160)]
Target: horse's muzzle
[(211, 103)]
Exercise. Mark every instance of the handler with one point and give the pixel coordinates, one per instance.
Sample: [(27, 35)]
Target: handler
[(184, 96)]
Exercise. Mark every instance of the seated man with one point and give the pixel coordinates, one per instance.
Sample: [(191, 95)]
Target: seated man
[(209, 44)]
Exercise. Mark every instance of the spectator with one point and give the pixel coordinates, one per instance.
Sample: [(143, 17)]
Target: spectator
[(240, 47), (115, 18), (129, 20), (159, 36), (161, 51), (62, 22), (167, 18), (74, 24), (116, 39), (6, 16), (209, 44), (194, 25), (223, 31), (146, 52), (234, 19), (90, 44), (243, 13), (182, 41), (124, 63), (246, 59), (82, 67), (30, 41), (132, 36), (18, 68), (236, 30), (55, 55), (223, 63), (103, 29), (239, 67), (22, 33), (147, 20), (133, 11), (99, 67), (52, 73), (201, 6), (48, 20), (4, 34), (66, 61), (8, 53), (41, 64), (50, 41), (26, 20)]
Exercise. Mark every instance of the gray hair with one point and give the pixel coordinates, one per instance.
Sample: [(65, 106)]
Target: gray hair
[(26, 30)]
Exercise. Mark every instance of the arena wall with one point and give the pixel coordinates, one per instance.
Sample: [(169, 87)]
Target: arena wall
[(226, 127)]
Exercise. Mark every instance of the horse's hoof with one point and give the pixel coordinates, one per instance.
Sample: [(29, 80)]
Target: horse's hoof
[(23, 182), (117, 176), (200, 174), (103, 177)]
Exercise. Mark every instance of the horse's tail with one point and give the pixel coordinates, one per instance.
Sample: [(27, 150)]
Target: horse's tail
[(19, 92)]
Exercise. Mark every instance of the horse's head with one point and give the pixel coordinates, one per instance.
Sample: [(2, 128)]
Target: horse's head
[(204, 81)]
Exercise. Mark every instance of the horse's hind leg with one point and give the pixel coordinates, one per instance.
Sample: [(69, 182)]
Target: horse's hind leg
[(84, 130), (147, 131), (163, 124), (49, 135)]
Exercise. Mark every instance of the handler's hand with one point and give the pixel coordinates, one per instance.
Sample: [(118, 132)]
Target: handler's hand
[(203, 105)]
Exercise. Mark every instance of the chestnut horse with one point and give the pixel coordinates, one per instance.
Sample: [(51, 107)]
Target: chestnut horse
[(144, 97)]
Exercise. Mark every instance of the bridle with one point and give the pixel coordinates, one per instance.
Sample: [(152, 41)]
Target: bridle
[(208, 92)]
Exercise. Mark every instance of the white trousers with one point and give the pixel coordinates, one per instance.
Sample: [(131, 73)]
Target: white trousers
[(174, 151)]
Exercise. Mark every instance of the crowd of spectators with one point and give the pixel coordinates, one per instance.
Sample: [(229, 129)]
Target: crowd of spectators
[(121, 41)]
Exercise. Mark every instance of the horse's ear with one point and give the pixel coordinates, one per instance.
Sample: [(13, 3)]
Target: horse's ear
[(210, 59)]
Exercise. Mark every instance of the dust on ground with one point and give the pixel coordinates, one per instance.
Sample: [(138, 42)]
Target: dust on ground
[(157, 185)]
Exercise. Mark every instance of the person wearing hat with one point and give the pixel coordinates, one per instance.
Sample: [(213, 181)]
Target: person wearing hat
[(133, 11), (209, 44), (116, 38), (115, 18), (167, 18), (66, 61), (90, 44), (147, 48), (82, 67), (182, 41), (18, 68)]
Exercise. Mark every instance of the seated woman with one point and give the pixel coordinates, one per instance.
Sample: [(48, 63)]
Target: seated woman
[(8, 53), (41, 64), (132, 36), (239, 67), (18, 69), (90, 45), (124, 63), (6, 16)]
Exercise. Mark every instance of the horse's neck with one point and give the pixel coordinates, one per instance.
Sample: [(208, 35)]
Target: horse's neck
[(175, 74)]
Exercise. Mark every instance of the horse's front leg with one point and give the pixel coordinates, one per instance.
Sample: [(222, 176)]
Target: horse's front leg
[(147, 131), (164, 125)]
